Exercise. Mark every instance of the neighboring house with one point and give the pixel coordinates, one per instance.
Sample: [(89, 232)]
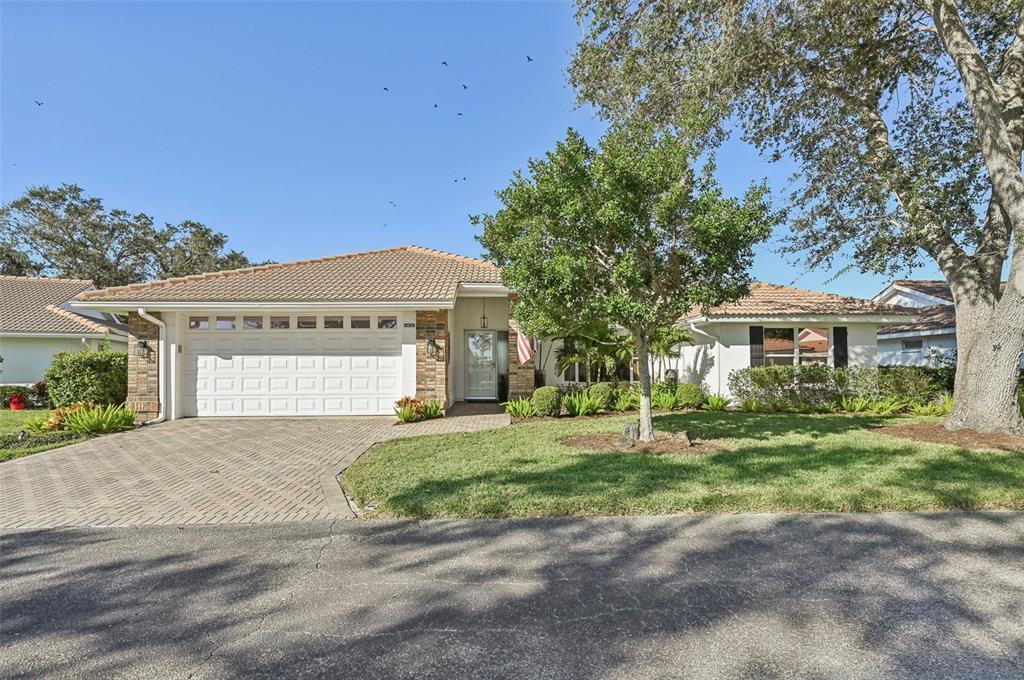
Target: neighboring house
[(928, 341), (36, 322), (344, 335), (773, 325)]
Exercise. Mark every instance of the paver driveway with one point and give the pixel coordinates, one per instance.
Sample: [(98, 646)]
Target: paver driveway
[(202, 471)]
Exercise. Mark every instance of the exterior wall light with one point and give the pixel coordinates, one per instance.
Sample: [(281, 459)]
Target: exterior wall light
[(142, 349)]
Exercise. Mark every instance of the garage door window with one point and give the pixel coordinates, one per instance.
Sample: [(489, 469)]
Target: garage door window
[(280, 322), (225, 323), (360, 322), (334, 322), (198, 323), (387, 322), (306, 322), (252, 323)]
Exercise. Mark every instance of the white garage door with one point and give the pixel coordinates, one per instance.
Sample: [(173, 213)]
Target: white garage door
[(241, 366)]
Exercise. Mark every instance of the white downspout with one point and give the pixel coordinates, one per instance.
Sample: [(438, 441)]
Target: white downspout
[(161, 373)]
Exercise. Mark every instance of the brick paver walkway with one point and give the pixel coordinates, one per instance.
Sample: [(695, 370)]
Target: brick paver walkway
[(203, 471)]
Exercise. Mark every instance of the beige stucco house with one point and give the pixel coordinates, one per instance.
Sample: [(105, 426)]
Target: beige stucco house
[(344, 335)]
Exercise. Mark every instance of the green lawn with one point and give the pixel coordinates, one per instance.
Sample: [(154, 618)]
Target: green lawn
[(12, 421), (776, 462)]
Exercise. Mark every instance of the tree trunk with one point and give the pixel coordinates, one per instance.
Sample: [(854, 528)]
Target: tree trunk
[(989, 344), (643, 355)]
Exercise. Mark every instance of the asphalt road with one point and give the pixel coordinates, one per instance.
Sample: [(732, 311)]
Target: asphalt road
[(748, 596)]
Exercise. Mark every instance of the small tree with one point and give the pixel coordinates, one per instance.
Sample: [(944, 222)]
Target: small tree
[(624, 235)]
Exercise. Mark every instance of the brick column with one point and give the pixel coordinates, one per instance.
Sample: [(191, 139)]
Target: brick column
[(143, 387), (431, 364), (521, 380)]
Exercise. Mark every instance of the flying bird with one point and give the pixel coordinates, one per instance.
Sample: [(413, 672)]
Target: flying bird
[(392, 204), (444, 63), (465, 87), (529, 58), (435, 106), (387, 90), (459, 113), (37, 102)]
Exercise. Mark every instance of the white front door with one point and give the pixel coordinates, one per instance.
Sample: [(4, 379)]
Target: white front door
[(481, 365)]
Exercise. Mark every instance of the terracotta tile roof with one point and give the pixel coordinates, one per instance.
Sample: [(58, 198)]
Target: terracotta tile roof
[(939, 289), (392, 275), (930, 319), (30, 305), (773, 300)]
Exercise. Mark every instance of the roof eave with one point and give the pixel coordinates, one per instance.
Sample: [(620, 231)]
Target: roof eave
[(809, 318), (298, 305)]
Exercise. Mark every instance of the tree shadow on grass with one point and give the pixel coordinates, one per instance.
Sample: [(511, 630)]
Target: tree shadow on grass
[(750, 596), (863, 473), (732, 425)]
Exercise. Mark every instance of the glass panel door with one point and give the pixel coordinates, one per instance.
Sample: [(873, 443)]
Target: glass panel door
[(481, 366)]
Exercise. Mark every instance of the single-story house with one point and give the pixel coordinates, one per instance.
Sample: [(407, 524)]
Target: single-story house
[(344, 335), (773, 325), (929, 340), (37, 322)]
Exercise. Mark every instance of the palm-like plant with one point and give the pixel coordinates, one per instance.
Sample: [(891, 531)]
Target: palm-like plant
[(665, 345), (600, 350)]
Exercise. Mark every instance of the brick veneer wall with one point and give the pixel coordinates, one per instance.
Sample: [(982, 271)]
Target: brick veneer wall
[(143, 394), (432, 370), (521, 380)]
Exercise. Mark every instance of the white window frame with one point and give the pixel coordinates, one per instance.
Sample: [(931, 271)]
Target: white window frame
[(796, 328)]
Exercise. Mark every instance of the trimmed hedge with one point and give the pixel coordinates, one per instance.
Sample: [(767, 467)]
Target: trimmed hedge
[(690, 395), (547, 401), (822, 387), (99, 377), (603, 393)]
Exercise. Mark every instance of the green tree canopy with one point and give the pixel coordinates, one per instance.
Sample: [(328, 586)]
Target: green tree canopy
[(63, 232), (623, 235), (905, 119)]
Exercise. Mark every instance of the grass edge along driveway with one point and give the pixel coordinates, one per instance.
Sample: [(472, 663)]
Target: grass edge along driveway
[(775, 463), (13, 421)]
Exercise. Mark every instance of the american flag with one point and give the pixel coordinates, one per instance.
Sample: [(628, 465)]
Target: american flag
[(524, 345)]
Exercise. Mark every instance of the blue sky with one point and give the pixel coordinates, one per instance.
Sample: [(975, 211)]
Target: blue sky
[(269, 120)]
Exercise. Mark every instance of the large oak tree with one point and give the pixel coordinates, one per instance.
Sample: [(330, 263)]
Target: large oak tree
[(625, 236), (905, 119), (63, 232)]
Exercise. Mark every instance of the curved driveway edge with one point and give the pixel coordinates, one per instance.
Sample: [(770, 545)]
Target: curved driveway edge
[(203, 471)]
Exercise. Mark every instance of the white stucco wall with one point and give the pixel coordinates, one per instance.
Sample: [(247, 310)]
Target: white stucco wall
[(933, 349), (26, 359)]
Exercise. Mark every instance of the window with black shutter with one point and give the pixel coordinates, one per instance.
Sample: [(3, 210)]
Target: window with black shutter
[(757, 345), (840, 354)]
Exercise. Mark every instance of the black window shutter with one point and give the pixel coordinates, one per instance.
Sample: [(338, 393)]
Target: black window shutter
[(757, 345), (840, 352)]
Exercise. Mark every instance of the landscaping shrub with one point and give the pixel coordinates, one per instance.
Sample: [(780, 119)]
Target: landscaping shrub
[(432, 409), (663, 395), (716, 403), (889, 406), (603, 393), (852, 403), (411, 409), (755, 406), (520, 408), (787, 387), (581, 404), (547, 401), (88, 376), (100, 419), (41, 395), (627, 398), (56, 420), (8, 391), (689, 395)]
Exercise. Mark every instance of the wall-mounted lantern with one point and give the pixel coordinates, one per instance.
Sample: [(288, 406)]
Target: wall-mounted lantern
[(142, 349)]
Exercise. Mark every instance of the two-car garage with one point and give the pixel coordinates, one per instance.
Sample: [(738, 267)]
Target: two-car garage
[(291, 364)]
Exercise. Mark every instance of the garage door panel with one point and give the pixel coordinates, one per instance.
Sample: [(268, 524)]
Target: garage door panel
[(286, 373)]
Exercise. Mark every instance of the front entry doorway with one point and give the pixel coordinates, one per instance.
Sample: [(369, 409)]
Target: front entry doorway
[(481, 365)]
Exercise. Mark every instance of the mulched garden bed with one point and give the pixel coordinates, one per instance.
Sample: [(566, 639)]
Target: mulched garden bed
[(966, 439), (663, 444)]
